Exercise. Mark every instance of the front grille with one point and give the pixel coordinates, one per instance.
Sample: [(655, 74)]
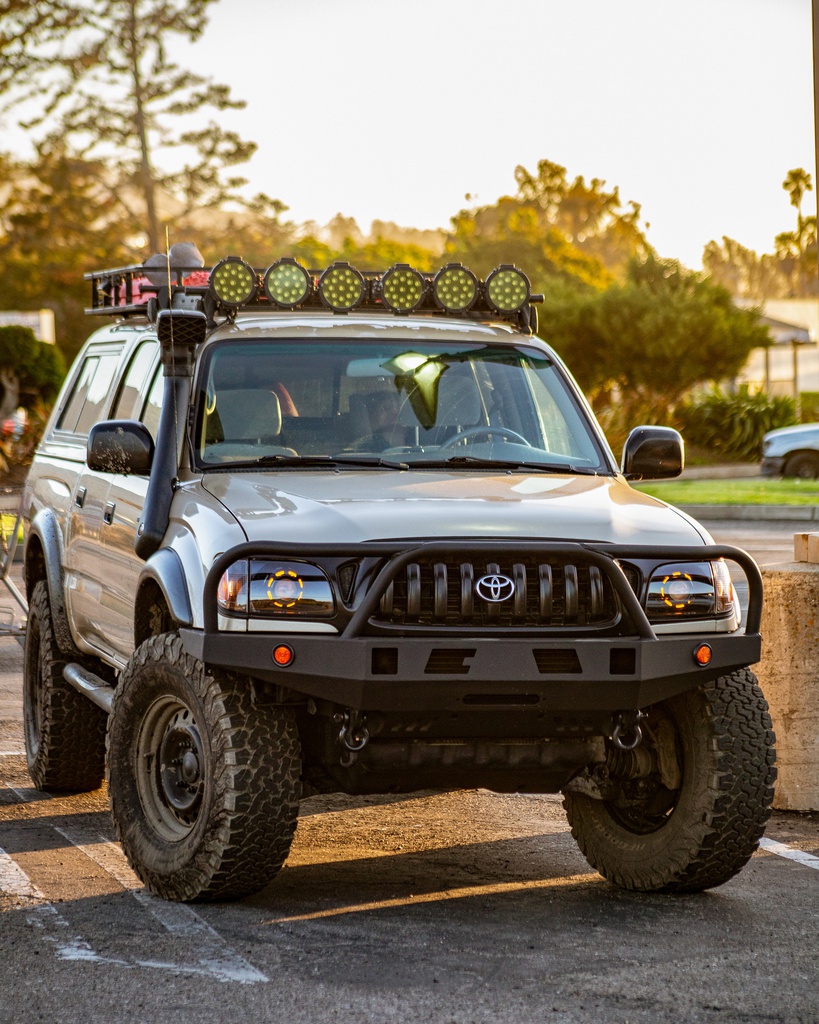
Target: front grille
[(552, 593)]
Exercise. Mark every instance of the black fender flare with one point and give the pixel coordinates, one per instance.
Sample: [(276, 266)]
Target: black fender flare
[(46, 528), (165, 569)]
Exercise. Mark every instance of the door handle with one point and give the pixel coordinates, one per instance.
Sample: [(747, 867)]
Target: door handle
[(79, 497), (108, 514)]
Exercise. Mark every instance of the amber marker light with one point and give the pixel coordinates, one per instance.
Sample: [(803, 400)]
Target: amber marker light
[(283, 655), (702, 654)]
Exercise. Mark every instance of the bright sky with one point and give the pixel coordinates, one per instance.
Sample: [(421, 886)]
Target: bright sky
[(696, 109)]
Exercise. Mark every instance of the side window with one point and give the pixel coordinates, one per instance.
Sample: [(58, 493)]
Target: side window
[(150, 414), (127, 402), (90, 391)]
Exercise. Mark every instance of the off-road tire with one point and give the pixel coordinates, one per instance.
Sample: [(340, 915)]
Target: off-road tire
[(64, 731), (244, 791), (725, 743), (804, 465)]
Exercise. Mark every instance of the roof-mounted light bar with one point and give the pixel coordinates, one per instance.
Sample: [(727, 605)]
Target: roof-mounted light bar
[(287, 285)]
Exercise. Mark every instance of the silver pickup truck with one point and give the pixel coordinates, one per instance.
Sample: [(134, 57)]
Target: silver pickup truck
[(292, 531)]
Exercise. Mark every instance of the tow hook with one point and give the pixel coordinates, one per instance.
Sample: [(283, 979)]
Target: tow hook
[(353, 735), (627, 734)]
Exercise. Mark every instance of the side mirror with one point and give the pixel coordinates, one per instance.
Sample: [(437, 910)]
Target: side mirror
[(120, 446), (653, 453)]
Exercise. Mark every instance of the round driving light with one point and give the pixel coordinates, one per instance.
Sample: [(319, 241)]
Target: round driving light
[(702, 655), (233, 282), (283, 655), (455, 288), (287, 284), (507, 289), (341, 287), (402, 288)]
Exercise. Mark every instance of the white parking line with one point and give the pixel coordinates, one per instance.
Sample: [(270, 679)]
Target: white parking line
[(807, 860), (215, 958)]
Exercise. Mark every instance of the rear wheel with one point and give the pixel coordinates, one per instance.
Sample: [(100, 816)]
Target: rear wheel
[(686, 814), (804, 465), (64, 731), (204, 785)]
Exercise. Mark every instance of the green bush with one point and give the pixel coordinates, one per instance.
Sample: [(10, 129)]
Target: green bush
[(809, 406), (731, 425)]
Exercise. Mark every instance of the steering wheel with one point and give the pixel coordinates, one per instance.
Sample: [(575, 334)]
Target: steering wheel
[(477, 431)]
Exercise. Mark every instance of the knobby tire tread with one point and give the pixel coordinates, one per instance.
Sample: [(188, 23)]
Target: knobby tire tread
[(70, 755), (735, 785), (256, 782)]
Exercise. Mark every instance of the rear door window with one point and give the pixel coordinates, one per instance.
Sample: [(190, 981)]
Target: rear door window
[(88, 396)]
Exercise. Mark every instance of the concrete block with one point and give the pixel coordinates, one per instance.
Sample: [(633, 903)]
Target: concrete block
[(789, 677), (806, 547)]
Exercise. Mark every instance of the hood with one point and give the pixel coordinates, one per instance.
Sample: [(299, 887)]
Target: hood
[(352, 506)]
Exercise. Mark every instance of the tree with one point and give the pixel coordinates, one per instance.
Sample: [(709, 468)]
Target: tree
[(553, 229), (100, 74), (30, 370), (648, 341), (789, 272), (56, 223)]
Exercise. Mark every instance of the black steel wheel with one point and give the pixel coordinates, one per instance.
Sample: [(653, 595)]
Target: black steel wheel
[(64, 731), (692, 816), (804, 465), (204, 786)]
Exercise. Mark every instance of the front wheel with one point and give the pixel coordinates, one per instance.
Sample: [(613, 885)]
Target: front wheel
[(803, 465), (204, 786), (687, 814)]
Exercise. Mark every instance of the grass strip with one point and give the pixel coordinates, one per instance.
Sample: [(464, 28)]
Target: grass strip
[(757, 491)]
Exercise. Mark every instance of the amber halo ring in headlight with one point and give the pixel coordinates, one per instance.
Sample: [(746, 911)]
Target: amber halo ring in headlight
[(233, 282), (341, 287), (455, 288), (268, 588), (287, 284), (507, 289), (402, 288), (690, 590)]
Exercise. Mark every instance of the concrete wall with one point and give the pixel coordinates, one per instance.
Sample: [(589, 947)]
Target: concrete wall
[(789, 677)]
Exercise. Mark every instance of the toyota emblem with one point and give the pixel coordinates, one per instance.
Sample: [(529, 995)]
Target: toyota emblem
[(495, 588)]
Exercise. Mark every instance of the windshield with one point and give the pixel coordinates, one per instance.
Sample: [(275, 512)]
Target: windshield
[(389, 403)]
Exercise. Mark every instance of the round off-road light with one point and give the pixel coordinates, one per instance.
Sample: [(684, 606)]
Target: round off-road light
[(455, 288), (283, 655), (287, 284), (702, 654), (402, 288), (341, 287), (233, 282), (507, 289)]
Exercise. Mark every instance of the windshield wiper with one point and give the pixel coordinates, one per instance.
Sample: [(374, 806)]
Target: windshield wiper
[(327, 460), (474, 460)]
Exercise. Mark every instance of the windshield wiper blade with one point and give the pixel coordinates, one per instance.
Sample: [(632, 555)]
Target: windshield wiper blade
[(327, 460), (474, 460)]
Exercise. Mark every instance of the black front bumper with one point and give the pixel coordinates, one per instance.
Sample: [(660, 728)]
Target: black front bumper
[(442, 670), (609, 674)]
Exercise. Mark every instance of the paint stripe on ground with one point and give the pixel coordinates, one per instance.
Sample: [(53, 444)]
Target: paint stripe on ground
[(807, 860), (214, 957)]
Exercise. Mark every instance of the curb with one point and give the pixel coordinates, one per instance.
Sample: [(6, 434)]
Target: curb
[(753, 513)]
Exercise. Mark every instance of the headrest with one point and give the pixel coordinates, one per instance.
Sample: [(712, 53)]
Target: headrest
[(249, 414)]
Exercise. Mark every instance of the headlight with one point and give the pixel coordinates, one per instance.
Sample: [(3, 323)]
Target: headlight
[(268, 588), (689, 590)]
